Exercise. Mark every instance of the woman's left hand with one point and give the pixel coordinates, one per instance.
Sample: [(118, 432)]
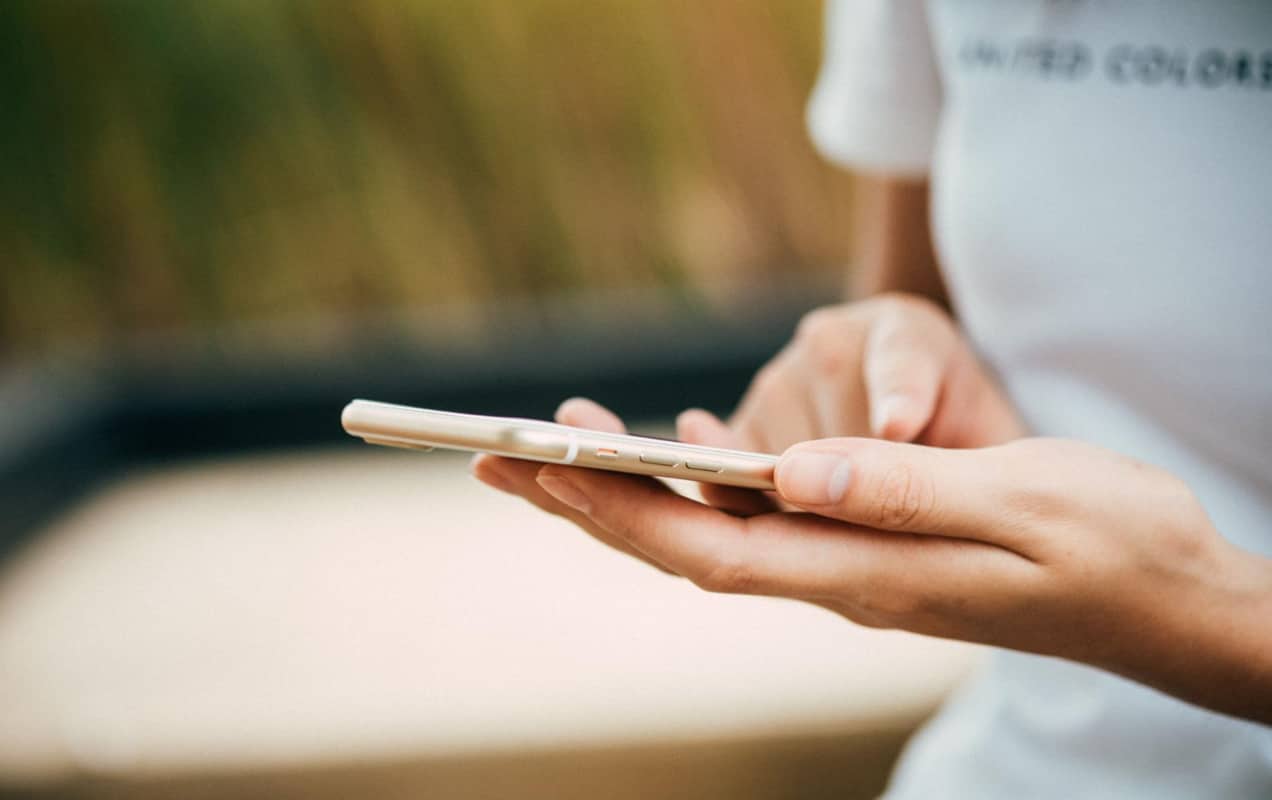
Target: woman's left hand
[(1042, 545)]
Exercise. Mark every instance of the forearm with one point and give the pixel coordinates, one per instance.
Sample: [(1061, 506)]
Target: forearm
[(895, 251)]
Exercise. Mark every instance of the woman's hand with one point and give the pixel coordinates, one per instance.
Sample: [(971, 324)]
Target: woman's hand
[(894, 366), (1046, 546)]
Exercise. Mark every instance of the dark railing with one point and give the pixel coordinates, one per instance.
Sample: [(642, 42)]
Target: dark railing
[(64, 428)]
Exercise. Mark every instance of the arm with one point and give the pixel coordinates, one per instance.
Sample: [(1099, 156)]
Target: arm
[(891, 364), (894, 235), (1045, 546)]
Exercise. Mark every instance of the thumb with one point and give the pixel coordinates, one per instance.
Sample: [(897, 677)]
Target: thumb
[(904, 367), (897, 487)]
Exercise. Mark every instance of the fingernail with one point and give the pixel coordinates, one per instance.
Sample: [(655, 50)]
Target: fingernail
[(884, 411), (814, 479), (489, 475), (566, 492)]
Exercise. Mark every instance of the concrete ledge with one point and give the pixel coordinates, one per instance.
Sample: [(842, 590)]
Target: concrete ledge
[(842, 766), (369, 618)]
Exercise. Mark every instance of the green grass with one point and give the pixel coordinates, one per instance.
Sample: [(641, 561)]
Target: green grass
[(164, 165)]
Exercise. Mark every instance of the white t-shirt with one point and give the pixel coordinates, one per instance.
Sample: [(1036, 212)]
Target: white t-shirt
[(1102, 207)]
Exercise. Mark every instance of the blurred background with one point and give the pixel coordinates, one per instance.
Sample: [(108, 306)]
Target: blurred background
[(221, 221), (170, 166)]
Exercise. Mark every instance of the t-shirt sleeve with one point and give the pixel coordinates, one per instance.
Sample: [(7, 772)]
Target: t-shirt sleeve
[(878, 98)]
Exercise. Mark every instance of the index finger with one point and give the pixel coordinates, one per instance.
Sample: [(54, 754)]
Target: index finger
[(799, 556), (904, 368)]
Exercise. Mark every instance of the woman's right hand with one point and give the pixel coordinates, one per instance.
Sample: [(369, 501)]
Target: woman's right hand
[(895, 367)]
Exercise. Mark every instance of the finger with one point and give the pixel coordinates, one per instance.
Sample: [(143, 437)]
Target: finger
[(697, 426), (580, 412), (839, 401), (791, 555), (902, 487), (706, 545), (833, 342), (776, 410), (745, 424), (904, 365), (751, 431), (786, 415), (518, 477)]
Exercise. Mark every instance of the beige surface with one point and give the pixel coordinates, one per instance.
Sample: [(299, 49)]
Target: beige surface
[(364, 605)]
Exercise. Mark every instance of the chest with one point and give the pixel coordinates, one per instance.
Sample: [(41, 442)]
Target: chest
[(1104, 169)]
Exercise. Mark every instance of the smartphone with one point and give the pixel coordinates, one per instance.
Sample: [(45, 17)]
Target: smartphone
[(536, 440)]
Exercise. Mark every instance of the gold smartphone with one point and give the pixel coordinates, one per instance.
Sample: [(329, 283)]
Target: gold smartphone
[(536, 440)]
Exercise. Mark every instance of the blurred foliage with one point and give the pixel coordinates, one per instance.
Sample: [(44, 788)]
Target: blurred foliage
[(169, 164)]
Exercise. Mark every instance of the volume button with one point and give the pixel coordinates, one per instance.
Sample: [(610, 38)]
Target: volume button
[(657, 459), (705, 466)]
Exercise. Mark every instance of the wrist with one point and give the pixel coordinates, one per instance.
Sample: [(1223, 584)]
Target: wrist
[(1216, 650), (1253, 605), (1249, 638)]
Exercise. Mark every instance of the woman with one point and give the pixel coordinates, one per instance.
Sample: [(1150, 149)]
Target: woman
[(1101, 192)]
